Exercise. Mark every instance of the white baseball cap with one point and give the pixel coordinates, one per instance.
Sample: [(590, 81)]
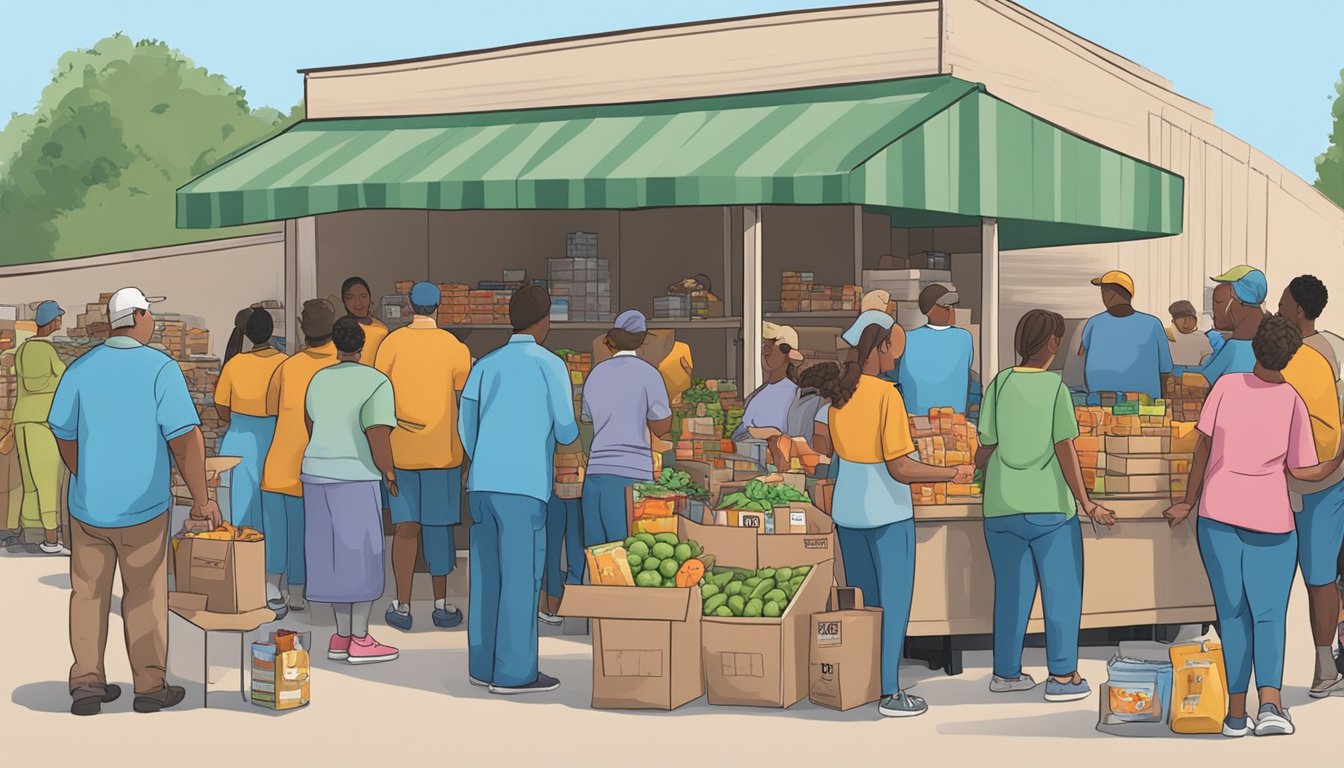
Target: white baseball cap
[(124, 303)]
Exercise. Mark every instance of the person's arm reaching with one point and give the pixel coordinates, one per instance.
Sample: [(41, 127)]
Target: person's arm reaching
[(1073, 477), (1194, 485), (898, 446), (562, 402), (821, 439), (378, 416), (380, 446), (189, 454)]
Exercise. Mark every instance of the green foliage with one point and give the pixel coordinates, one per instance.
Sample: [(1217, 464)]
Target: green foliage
[(122, 125), (760, 497), (1330, 165)]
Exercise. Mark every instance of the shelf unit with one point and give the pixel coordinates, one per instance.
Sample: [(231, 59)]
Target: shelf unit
[(718, 323)]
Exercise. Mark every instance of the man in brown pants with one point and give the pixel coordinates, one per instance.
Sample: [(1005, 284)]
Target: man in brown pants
[(118, 411)]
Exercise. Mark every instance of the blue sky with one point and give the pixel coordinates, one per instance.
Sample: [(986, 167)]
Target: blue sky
[(1267, 69)]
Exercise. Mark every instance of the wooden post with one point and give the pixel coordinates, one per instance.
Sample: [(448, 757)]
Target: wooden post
[(858, 245), (989, 302), (300, 275), (751, 298), (731, 335)]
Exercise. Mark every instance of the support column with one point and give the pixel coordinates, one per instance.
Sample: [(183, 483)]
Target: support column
[(725, 291), (751, 299), (300, 275), (989, 300), (858, 245)]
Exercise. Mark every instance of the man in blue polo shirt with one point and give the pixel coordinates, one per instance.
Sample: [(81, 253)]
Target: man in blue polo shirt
[(935, 371), (117, 413), (516, 406), (1124, 350)]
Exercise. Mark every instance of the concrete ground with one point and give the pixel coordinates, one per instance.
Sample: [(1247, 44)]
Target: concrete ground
[(422, 706)]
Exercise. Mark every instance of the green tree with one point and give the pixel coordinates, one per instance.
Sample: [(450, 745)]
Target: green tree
[(1330, 165), (119, 129)]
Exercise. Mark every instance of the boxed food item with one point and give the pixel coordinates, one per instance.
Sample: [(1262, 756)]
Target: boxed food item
[(1120, 485), (1132, 446), (1184, 437), (282, 670), (230, 573), (763, 661), (845, 655), (1138, 465)]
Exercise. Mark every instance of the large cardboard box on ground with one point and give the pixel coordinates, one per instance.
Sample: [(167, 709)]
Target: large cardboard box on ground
[(745, 548), (646, 644), (845, 656), (763, 662), (230, 574)]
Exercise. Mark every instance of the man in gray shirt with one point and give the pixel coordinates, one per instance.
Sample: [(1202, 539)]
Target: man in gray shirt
[(625, 400)]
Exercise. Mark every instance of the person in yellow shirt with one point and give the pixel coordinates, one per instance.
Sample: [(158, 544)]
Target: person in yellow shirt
[(240, 400), (1320, 513), (358, 300), (428, 367), (39, 371), (285, 397)]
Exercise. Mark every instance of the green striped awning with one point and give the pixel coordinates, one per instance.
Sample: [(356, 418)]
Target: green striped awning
[(936, 146)]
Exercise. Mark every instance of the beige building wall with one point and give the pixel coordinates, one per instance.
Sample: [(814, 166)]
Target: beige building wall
[(211, 280)]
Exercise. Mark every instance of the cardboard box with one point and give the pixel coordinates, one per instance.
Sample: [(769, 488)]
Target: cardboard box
[(745, 548), (646, 644), (764, 662), (1132, 446), (1184, 437), (845, 657), (1137, 465), (1120, 485), (230, 574)]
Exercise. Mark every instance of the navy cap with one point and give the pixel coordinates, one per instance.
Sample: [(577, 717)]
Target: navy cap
[(425, 294)]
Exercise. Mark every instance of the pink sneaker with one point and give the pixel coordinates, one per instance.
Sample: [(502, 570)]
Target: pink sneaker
[(366, 650), (339, 648)]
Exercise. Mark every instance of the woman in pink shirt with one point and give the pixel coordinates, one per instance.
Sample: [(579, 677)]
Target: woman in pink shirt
[(1253, 432)]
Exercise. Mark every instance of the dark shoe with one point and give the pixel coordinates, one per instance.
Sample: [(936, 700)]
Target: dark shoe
[(543, 684), (170, 696), (447, 619), (92, 705), (279, 607), (397, 619)]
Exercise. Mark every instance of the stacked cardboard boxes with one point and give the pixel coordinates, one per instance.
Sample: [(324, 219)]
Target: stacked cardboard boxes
[(1142, 466), (945, 438), (820, 345), (1186, 398), (582, 279), (799, 292), (454, 304)]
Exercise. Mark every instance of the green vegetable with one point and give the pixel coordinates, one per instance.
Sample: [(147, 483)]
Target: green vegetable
[(696, 549), (766, 573), (752, 582), (647, 538), (635, 561), (753, 608), (648, 579), (629, 541), (709, 590), (771, 610), (783, 574), (790, 590), (797, 581), (669, 568), (776, 596), (662, 551), (733, 588), (714, 603), (638, 548), (802, 570), (682, 552), (669, 583), (666, 538), (760, 589), (737, 604), (651, 563), (723, 580), (724, 612)]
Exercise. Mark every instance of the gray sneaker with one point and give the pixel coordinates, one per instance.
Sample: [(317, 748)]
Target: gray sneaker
[(902, 705), (1022, 682), (1328, 688), (1056, 691), (1274, 722)]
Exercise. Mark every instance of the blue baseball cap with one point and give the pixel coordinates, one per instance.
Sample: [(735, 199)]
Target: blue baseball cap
[(48, 311), (1248, 283), (425, 294), (870, 317)]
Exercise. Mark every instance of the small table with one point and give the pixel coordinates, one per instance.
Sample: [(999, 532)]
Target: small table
[(234, 623)]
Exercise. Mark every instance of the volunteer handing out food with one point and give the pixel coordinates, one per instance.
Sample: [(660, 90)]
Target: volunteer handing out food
[(872, 507), (1254, 431), (1032, 481), (766, 412)]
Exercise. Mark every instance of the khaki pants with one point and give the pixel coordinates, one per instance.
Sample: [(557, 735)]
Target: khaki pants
[(141, 552)]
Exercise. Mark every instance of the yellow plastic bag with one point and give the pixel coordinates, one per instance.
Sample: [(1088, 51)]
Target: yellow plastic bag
[(1199, 688)]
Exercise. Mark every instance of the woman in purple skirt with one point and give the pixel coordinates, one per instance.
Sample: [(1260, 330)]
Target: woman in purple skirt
[(350, 416)]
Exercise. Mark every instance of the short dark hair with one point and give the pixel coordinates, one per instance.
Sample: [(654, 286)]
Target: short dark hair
[(1310, 294), (260, 326), (351, 282), (1036, 328), (528, 306), (424, 310), (348, 335), (625, 341), (1275, 342)]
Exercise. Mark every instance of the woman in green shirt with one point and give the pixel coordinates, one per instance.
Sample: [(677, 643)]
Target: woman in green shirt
[(1032, 482)]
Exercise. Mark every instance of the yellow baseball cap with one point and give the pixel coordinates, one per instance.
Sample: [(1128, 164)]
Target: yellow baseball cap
[(1117, 278)]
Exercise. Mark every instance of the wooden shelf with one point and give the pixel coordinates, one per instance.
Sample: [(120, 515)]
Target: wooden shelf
[(719, 323), (836, 315)]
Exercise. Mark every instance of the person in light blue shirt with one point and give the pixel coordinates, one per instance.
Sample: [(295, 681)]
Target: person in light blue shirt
[(1238, 309), (116, 415), (1124, 350), (935, 371), (516, 406)]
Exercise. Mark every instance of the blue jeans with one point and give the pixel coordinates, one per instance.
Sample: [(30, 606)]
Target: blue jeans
[(881, 563), (564, 524), (508, 552), (1320, 533), (1024, 551), (604, 518), (284, 539), (1251, 575), (249, 438)]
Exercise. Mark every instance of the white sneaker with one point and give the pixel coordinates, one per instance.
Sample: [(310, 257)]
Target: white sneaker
[(53, 549), (1273, 722), (550, 618), (1247, 725), (1325, 690), (1022, 682)]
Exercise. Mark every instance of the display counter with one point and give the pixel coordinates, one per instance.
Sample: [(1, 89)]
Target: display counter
[(1141, 573)]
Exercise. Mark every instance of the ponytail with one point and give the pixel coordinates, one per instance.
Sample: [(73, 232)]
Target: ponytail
[(235, 344), (848, 383)]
